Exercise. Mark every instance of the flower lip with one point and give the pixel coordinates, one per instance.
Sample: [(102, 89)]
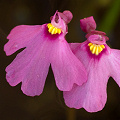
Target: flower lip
[(97, 39)]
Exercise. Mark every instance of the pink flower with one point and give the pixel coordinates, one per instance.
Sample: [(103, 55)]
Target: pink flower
[(44, 45), (101, 62)]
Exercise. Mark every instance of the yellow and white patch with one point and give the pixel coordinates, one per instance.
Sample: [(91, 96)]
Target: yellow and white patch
[(96, 49), (52, 29)]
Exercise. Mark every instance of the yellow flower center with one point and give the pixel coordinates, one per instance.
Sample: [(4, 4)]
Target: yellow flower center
[(96, 49), (52, 29)]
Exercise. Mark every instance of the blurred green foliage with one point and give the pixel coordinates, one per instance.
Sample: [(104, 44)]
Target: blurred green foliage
[(111, 17)]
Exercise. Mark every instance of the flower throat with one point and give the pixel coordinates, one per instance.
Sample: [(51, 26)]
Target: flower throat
[(52, 29), (95, 48)]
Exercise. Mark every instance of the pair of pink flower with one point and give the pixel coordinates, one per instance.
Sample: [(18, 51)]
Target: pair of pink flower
[(81, 70)]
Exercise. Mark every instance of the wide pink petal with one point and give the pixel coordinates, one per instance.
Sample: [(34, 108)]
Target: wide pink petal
[(91, 95), (20, 36), (66, 67), (88, 24), (30, 67), (114, 65)]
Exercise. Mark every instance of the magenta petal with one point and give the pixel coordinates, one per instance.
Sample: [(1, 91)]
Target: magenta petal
[(114, 65), (30, 67), (20, 36), (88, 24), (66, 67), (91, 95)]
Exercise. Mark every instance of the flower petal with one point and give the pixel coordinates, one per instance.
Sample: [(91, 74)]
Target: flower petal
[(92, 94), (30, 67), (20, 36), (66, 67), (88, 24), (114, 65)]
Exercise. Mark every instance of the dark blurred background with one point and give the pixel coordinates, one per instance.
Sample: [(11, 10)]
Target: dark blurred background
[(14, 105)]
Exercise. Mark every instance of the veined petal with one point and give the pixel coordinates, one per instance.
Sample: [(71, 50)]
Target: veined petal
[(114, 65), (20, 36), (30, 67), (66, 67), (92, 94)]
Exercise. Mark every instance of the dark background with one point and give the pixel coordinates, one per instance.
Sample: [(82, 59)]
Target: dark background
[(14, 105)]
